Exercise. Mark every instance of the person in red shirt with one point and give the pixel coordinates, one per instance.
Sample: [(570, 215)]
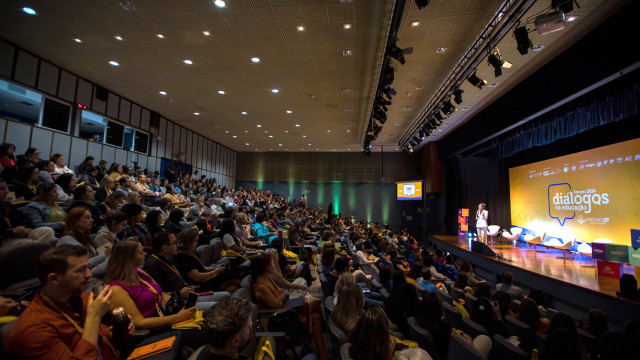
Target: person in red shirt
[(7, 159), (62, 321)]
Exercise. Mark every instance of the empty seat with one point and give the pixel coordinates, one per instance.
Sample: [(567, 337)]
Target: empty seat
[(445, 298), (534, 240), (456, 293), (452, 315), (551, 313), (472, 328), (503, 349), (461, 349), (492, 231)]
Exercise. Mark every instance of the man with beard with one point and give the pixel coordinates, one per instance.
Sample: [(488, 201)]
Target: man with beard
[(228, 326), (62, 321)]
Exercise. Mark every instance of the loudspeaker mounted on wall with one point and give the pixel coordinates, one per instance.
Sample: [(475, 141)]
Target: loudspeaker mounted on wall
[(101, 93)]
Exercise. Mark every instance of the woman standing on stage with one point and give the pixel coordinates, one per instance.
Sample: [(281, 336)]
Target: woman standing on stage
[(481, 223)]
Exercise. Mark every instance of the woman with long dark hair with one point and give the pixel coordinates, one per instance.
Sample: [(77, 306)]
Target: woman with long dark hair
[(77, 231), (172, 224), (371, 338), (27, 182), (7, 159), (66, 184)]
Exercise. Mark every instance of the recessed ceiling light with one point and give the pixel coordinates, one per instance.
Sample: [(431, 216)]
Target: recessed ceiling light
[(347, 109), (235, 136), (162, 92), (300, 28), (226, 131), (77, 40), (255, 149), (279, 144), (221, 92), (289, 111), (29, 11), (255, 59), (286, 131), (537, 47), (441, 50), (439, 130), (246, 131), (328, 130), (244, 113), (571, 18), (493, 84), (187, 61), (419, 87), (247, 144), (309, 144), (206, 33), (258, 125), (113, 63), (304, 136), (118, 37), (346, 26), (348, 130), (160, 36), (407, 109), (270, 136), (415, 23), (220, 3), (348, 149), (196, 113), (266, 131), (345, 90), (297, 125), (275, 91), (346, 52)]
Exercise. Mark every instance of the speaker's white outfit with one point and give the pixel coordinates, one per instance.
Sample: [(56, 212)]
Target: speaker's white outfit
[(481, 225)]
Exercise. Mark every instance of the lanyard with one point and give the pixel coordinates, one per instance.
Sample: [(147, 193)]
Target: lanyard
[(53, 306), (156, 295), (173, 268)]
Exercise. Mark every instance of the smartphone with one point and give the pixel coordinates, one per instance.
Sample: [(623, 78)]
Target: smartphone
[(191, 300)]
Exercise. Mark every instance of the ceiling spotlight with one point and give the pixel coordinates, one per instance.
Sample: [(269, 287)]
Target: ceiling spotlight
[(162, 92), (255, 59), (29, 11), (270, 136), (187, 61), (196, 113), (476, 81), (346, 26), (496, 60), (247, 144), (346, 52), (160, 36), (220, 4), (118, 37), (289, 111), (422, 3), (457, 96), (415, 23), (522, 38), (441, 50), (235, 136), (448, 108), (275, 91), (244, 113), (300, 28), (297, 125), (346, 90), (206, 33), (77, 40), (258, 125), (398, 53), (221, 92), (113, 63), (537, 47)]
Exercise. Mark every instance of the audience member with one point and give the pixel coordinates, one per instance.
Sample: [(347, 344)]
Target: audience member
[(529, 314), (349, 308), (65, 186), (371, 338), (59, 166), (7, 159), (431, 320), (47, 172), (596, 323), (506, 285), (14, 225), (84, 165), (227, 325), (77, 231), (27, 181), (172, 224), (84, 196), (135, 228), (44, 209), (106, 188), (115, 223)]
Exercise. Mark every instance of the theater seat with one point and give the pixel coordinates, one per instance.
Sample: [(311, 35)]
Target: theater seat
[(526, 335), (472, 328), (503, 349), (337, 335), (452, 315), (422, 337), (460, 348), (18, 266)]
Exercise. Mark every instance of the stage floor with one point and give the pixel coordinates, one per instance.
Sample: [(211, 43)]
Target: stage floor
[(547, 262)]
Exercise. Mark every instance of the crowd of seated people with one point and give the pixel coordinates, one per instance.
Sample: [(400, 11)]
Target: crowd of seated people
[(143, 237)]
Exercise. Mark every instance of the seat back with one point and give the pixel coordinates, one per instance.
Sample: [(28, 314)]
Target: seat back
[(515, 304), (345, 352), (589, 341), (18, 262), (461, 349), (503, 349), (422, 337), (196, 353), (246, 284), (452, 315), (217, 246), (375, 285), (457, 293), (337, 335), (472, 328), (324, 283), (328, 304), (493, 229), (445, 298), (585, 249), (526, 335), (516, 231), (205, 253), (470, 301), (551, 313)]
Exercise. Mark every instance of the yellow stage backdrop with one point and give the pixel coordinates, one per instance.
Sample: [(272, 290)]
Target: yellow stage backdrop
[(593, 194)]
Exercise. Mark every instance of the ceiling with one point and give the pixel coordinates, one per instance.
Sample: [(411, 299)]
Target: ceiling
[(329, 94)]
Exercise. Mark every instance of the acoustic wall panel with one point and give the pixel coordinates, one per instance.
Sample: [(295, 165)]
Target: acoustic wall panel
[(41, 140), (7, 53), (26, 69), (67, 87), (61, 145), (85, 93), (113, 102), (48, 79), (95, 150), (78, 153), (109, 154), (125, 110), (18, 134)]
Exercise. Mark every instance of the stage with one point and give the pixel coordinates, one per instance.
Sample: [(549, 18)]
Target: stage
[(565, 282)]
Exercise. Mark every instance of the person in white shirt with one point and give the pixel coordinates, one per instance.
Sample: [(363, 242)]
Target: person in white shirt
[(506, 285), (481, 223)]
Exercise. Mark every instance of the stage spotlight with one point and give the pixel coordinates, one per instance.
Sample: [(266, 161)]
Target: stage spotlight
[(438, 116), (565, 5), (476, 81), (448, 108), (496, 60), (382, 101), (457, 96), (522, 38), (388, 90), (398, 53), (422, 3)]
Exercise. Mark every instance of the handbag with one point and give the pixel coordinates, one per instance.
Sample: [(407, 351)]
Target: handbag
[(287, 321), (174, 304)]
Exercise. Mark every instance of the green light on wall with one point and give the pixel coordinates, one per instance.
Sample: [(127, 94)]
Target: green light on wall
[(369, 209), (260, 184), (385, 209), (320, 195), (352, 198), (292, 188), (336, 189)]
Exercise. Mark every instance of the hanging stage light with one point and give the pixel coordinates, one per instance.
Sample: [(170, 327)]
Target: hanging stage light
[(457, 96), (448, 108), (476, 81), (496, 60), (522, 38)]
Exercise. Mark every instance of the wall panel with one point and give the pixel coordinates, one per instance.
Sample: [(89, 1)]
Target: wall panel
[(7, 53), (19, 135), (26, 69), (78, 153), (113, 102), (48, 79), (125, 111), (41, 140), (67, 87), (99, 105), (109, 154), (61, 145), (95, 150), (121, 157)]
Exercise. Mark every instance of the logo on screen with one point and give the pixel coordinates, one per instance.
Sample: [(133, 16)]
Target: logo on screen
[(409, 189), (564, 201)]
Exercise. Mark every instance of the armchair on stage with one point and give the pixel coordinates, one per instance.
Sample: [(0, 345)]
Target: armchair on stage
[(565, 244), (534, 240), (513, 235), (493, 230)]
